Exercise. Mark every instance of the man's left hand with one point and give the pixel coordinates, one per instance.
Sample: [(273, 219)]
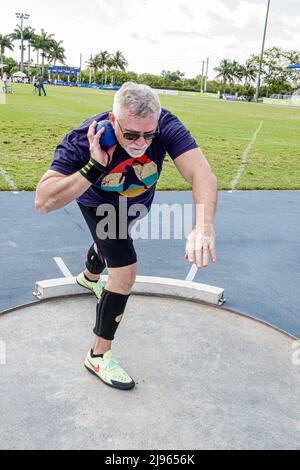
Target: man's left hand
[(200, 244)]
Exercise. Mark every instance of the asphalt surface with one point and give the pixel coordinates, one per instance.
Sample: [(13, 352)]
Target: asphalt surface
[(257, 242), (205, 379)]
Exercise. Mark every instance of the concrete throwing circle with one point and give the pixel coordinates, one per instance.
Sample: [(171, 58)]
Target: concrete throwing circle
[(206, 379)]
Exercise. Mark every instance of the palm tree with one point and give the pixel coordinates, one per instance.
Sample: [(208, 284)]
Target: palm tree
[(236, 71), (29, 36), (248, 73), (46, 40), (111, 67), (42, 42), (224, 71), (5, 43), (104, 62), (56, 52), (17, 36), (118, 60), (37, 44), (94, 64)]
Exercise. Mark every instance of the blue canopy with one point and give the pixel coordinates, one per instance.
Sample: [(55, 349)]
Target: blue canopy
[(295, 66)]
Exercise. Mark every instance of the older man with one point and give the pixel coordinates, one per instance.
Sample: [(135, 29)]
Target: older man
[(128, 170)]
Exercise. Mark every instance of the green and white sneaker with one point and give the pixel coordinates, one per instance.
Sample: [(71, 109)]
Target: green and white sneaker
[(94, 286), (107, 369)]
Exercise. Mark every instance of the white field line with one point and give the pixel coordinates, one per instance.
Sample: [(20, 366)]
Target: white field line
[(10, 182), (63, 267), (13, 244), (192, 273), (2, 94), (241, 169)]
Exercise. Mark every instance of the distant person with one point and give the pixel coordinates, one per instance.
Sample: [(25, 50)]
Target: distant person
[(7, 84), (35, 84), (41, 88), (4, 79)]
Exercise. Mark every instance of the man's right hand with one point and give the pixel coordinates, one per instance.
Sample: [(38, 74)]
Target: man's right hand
[(97, 153)]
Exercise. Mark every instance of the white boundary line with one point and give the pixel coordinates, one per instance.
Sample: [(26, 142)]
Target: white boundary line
[(147, 285), (2, 94), (13, 244), (241, 169), (192, 273), (64, 269), (11, 184)]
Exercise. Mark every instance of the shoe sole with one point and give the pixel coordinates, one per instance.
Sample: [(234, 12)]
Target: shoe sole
[(88, 288), (119, 387)]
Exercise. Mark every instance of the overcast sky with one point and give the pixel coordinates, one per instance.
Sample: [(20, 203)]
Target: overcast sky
[(161, 34)]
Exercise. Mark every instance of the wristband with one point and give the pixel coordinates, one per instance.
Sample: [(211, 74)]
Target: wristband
[(93, 171)]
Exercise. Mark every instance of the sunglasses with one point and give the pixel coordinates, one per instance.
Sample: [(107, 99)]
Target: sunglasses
[(137, 135)]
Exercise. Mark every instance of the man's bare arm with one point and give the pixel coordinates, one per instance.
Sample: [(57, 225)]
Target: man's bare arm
[(196, 170), (55, 190), (194, 167)]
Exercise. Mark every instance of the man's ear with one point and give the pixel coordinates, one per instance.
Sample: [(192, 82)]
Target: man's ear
[(111, 117)]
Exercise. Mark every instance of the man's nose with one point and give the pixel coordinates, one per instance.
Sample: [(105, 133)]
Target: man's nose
[(140, 141)]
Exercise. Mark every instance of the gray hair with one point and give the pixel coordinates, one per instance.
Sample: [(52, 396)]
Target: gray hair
[(140, 100)]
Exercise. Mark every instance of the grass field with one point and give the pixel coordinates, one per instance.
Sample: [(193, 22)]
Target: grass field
[(31, 127)]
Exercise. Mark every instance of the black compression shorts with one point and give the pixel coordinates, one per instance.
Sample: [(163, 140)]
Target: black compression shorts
[(117, 252)]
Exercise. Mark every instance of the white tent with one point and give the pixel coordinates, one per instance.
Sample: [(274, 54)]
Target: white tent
[(19, 75)]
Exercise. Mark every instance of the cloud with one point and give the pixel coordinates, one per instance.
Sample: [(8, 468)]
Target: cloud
[(184, 34), (113, 9), (243, 16), (246, 20), (175, 33), (152, 40), (186, 11)]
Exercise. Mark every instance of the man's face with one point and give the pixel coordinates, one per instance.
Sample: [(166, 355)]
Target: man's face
[(133, 124)]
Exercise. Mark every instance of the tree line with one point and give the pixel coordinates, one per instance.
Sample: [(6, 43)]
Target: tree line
[(106, 68), (44, 44), (275, 75), (231, 76)]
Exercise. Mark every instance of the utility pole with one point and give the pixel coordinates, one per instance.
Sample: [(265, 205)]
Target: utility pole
[(90, 81), (206, 75), (262, 54), (80, 67), (202, 76), (22, 16)]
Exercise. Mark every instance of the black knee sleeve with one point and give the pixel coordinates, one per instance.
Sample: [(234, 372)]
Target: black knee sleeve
[(94, 263), (109, 307)]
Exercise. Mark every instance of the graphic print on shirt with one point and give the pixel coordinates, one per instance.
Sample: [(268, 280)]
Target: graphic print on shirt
[(131, 177)]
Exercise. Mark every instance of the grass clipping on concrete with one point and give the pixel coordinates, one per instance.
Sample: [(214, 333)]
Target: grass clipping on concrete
[(32, 126)]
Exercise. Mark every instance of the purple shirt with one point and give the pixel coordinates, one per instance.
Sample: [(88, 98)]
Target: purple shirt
[(134, 178)]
